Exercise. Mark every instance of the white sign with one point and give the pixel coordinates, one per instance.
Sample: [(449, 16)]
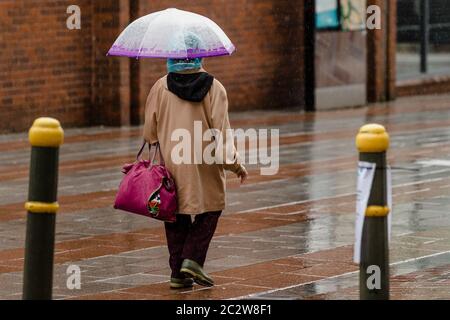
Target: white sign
[(366, 173), (389, 200)]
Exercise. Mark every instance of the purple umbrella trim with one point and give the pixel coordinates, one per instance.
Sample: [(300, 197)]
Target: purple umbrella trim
[(145, 53)]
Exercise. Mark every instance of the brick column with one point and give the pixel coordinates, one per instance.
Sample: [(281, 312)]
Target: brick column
[(381, 52), (136, 112), (111, 76), (392, 51)]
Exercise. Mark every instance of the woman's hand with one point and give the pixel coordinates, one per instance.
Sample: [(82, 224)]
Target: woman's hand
[(242, 173)]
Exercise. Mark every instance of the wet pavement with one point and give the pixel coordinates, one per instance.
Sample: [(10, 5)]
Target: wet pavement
[(287, 236)]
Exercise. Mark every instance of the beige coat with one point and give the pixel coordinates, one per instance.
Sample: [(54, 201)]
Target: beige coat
[(200, 187)]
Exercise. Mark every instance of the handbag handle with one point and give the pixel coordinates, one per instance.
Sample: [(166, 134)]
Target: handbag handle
[(138, 156), (161, 159), (158, 150)]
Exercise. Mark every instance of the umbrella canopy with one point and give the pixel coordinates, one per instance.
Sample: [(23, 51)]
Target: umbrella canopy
[(172, 33)]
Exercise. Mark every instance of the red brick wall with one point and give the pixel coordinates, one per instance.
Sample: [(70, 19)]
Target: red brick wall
[(45, 69), (48, 70), (111, 75), (266, 70)]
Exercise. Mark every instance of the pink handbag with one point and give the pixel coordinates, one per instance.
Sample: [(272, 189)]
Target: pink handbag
[(148, 189)]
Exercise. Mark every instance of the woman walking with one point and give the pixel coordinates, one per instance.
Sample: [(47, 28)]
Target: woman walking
[(184, 98)]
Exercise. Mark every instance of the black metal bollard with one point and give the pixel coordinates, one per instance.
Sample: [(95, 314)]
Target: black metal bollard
[(372, 142), (45, 136)]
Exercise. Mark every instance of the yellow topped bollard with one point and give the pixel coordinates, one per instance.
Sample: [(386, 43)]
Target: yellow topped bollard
[(372, 138), (46, 132), (45, 136), (372, 142)]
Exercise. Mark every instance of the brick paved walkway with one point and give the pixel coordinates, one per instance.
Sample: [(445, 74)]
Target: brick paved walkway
[(287, 236)]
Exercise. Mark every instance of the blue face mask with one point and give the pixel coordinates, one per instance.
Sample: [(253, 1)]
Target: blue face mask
[(178, 65)]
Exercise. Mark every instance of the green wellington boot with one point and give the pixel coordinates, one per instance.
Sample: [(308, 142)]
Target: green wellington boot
[(193, 269), (176, 283)]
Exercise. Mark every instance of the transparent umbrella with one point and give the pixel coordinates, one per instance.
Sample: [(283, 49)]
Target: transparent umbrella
[(172, 33)]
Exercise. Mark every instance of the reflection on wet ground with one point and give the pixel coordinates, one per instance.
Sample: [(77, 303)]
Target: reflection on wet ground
[(287, 236)]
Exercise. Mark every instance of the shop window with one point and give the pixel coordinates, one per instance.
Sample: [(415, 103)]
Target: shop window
[(423, 37)]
